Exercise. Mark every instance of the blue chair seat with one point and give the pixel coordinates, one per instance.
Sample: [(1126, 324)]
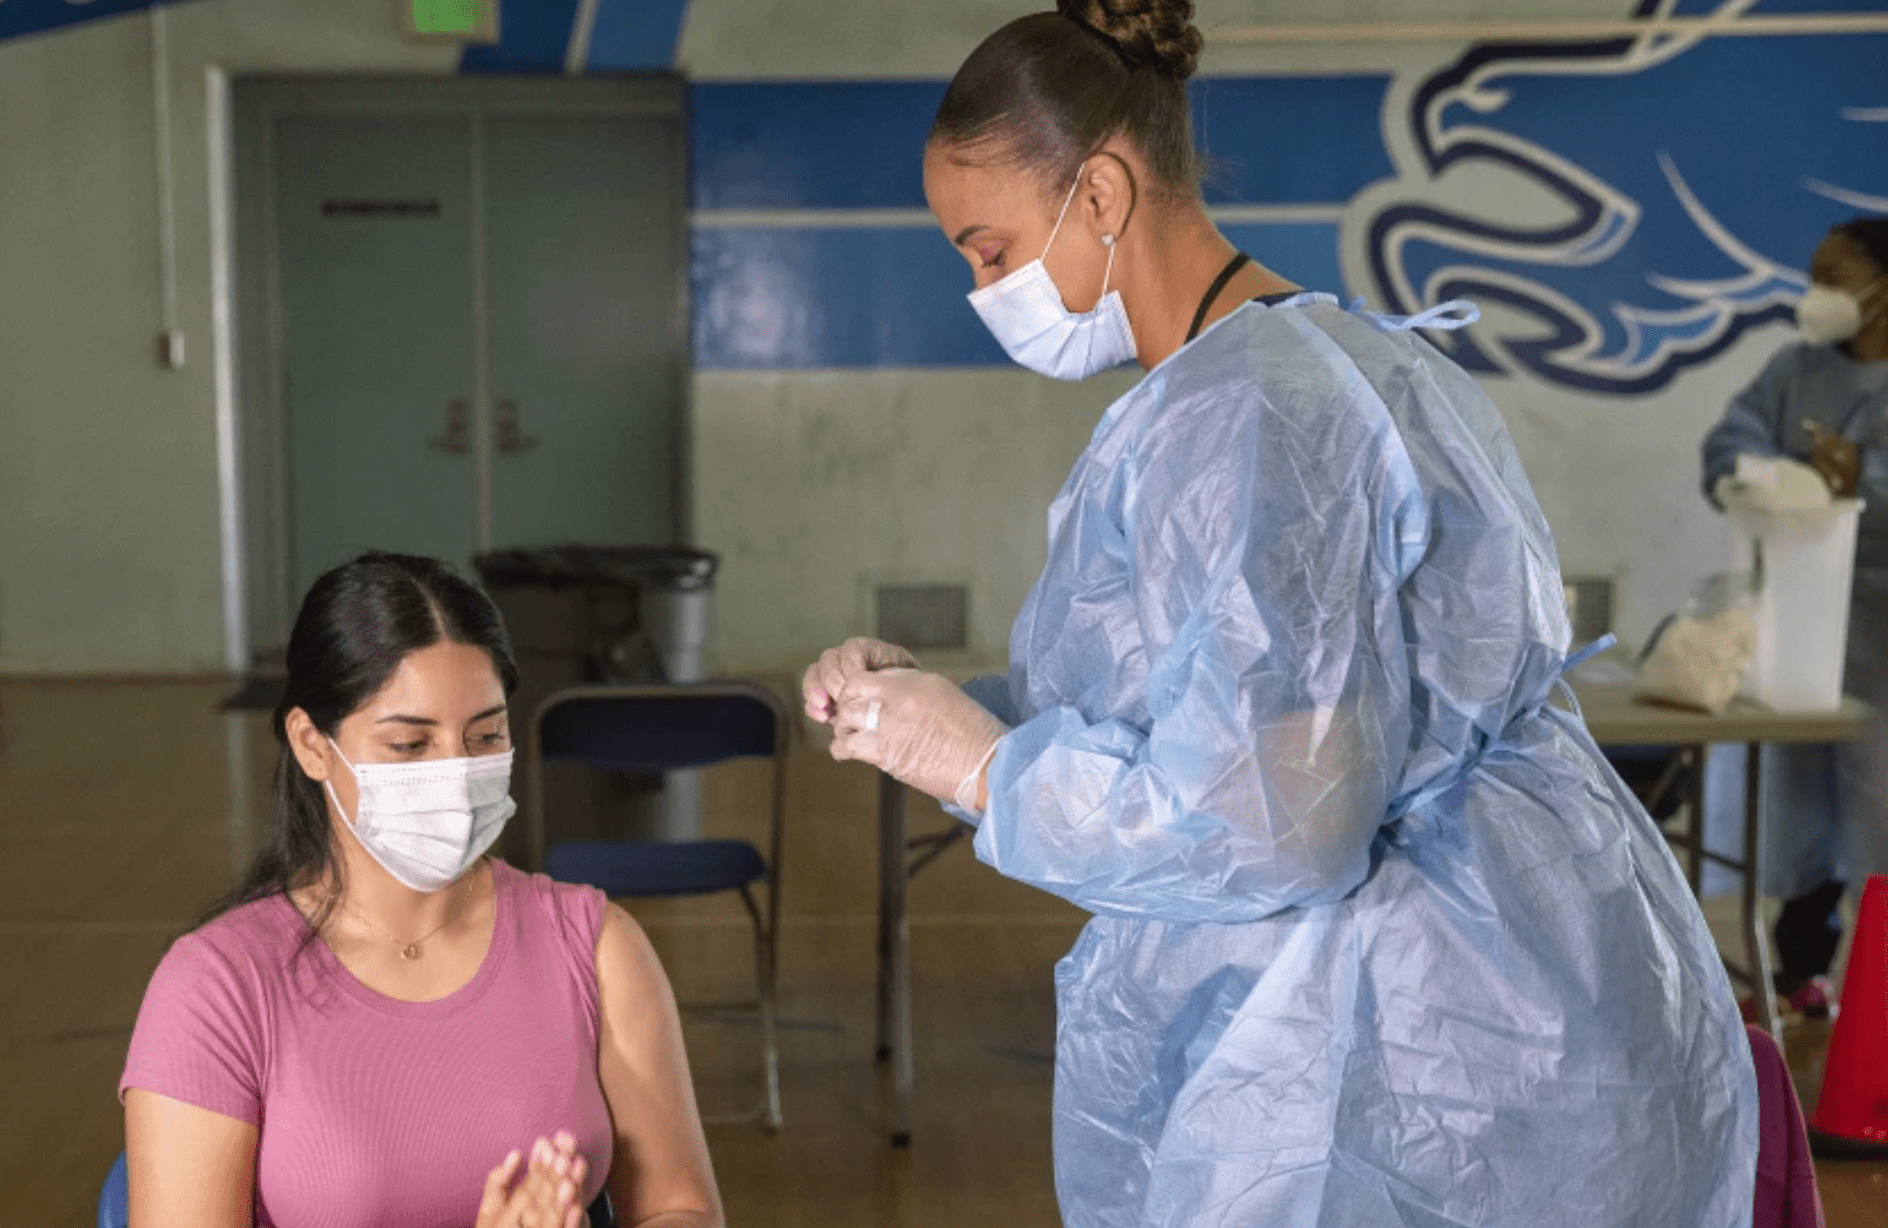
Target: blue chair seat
[(695, 867), (114, 1201)]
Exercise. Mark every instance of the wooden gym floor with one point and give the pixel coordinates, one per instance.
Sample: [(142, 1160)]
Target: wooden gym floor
[(126, 806)]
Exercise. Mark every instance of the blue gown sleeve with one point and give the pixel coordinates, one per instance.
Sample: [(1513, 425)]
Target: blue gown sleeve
[(993, 692), (1754, 422), (1265, 535)]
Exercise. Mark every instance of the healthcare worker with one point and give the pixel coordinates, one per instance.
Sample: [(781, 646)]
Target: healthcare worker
[(1824, 401), (1379, 938)]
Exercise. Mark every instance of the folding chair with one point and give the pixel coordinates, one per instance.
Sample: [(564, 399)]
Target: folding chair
[(666, 728), (1656, 775), (114, 1201)]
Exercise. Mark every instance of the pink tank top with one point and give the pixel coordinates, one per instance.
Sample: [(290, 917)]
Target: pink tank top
[(371, 1112)]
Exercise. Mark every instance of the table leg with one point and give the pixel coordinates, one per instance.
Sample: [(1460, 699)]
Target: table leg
[(1756, 941), (895, 955), (888, 859), (1694, 801)]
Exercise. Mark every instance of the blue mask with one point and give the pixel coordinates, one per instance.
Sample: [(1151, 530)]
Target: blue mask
[(1025, 312)]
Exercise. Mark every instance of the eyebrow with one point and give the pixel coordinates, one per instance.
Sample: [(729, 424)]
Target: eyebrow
[(402, 719), (965, 233)]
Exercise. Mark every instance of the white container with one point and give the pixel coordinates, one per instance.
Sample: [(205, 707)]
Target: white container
[(1803, 563)]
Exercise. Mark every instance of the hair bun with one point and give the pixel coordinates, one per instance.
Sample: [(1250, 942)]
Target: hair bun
[(1155, 34)]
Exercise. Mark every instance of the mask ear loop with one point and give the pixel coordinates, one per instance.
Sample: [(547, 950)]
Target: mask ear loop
[(1107, 241), (329, 785), (1066, 202)]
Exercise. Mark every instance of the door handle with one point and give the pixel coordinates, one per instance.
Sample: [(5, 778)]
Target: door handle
[(510, 438), (458, 425)]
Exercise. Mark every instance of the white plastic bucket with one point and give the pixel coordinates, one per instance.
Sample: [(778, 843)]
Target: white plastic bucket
[(1803, 563)]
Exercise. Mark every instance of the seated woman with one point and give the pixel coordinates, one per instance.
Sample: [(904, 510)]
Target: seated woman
[(381, 1026)]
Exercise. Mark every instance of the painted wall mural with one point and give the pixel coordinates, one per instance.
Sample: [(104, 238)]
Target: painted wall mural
[(1624, 210)]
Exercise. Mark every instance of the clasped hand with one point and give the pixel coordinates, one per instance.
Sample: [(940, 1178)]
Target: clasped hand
[(916, 726), (548, 1194)]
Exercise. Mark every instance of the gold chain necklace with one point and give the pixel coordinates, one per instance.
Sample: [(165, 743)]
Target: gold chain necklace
[(408, 950)]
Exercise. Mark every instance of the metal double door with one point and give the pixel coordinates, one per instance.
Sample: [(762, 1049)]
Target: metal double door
[(478, 316)]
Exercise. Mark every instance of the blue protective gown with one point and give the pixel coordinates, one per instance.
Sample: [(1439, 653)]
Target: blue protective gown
[(1379, 937), (1824, 813)]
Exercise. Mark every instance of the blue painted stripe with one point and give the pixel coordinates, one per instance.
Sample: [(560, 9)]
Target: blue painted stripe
[(19, 18), (534, 37), (802, 299), (819, 144), (771, 299), (1304, 252), (860, 144), (1290, 140), (636, 34)]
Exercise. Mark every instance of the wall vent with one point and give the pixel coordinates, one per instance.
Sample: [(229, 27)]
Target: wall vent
[(923, 616), (1589, 607)]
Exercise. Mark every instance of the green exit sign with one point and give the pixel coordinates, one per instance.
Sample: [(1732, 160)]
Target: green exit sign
[(445, 16), (447, 21)]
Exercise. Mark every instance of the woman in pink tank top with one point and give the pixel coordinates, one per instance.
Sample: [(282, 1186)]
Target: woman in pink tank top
[(381, 1027)]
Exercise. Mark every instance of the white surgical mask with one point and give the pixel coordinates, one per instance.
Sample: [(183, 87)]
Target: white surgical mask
[(1828, 315), (426, 823), (1025, 312)]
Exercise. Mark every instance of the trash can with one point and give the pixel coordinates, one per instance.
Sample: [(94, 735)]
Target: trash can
[(1802, 564), (583, 615)]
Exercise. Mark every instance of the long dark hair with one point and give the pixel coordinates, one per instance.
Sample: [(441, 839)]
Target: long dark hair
[(1870, 234), (1047, 90), (358, 622)]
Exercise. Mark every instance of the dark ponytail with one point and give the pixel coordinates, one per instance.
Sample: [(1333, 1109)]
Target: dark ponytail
[(358, 622), (1047, 90)]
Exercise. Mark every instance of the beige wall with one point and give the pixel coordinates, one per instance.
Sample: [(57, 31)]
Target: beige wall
[(110, 559), (813, 485)]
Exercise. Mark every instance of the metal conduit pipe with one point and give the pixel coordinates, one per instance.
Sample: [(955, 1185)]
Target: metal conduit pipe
[(170, 340)]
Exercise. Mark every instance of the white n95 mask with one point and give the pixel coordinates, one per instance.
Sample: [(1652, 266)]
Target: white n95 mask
[(1828, 315), (426, 823), (1025, 312)]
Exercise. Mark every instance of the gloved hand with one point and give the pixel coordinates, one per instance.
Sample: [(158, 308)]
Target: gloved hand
[(920, 728), (1836, 458), (827, 677)]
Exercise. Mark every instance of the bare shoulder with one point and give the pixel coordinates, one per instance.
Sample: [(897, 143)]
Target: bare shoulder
[(619, 927), (626, 962)]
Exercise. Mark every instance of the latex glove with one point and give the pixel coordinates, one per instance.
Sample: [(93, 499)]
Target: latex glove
[(1836, 458), (920, 728), (1772, 484), (827, 677)]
